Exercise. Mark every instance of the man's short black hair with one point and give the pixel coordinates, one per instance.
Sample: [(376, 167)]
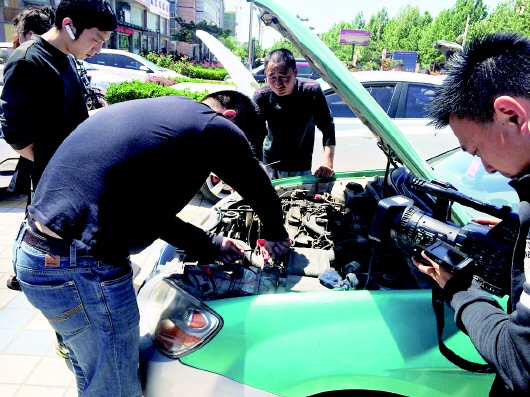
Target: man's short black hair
[(280, 55), (87, 14), (490, 66), (247, 112), (37, 19)]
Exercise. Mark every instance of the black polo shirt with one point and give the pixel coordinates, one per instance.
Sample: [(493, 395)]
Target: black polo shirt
[(291, 121), (42, 100), (117, 182)]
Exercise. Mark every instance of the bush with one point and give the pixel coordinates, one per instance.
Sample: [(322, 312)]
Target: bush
[(206, 70), (194, 71), (129, 90)]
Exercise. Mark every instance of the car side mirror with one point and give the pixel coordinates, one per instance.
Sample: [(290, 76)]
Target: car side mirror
[(145, 69)]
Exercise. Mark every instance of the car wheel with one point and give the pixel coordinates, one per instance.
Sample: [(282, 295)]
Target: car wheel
[(95, 101), (214, 189)]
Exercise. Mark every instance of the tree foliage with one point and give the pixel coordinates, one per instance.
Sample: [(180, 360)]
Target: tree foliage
[(510, 16), (410, 30), (187, 31)]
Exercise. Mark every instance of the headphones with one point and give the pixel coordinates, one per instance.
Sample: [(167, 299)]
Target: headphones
[(69, 31)]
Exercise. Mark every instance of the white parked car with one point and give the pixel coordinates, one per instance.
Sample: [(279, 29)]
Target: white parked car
[(136, 65), (8, 160), (101, 78), (403, 96)]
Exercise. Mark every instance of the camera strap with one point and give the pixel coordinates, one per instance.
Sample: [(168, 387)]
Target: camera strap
[(438, 305)]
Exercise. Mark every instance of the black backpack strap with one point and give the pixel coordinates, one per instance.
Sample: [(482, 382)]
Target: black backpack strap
[(438, 306)]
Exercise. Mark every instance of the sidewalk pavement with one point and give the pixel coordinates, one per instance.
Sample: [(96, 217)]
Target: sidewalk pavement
[(29, 366)]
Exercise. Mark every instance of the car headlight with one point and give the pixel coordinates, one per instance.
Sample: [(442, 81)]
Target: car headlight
[(8, 166), (178, 323)]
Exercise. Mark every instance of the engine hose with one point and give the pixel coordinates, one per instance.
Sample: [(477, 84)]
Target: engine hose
[(250, 256), (311, 224)]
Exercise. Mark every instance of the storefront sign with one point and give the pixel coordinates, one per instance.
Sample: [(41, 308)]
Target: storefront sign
[(361, 37), (123, 30), (158, 7)]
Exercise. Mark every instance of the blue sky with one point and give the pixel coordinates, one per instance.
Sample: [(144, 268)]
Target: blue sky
[(323, 14)]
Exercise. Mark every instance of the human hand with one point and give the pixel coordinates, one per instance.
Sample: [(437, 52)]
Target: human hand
[(277, 249), (229, 251), (324, 172), (432, 269)]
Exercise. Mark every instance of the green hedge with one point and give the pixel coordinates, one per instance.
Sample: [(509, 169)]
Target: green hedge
[(198, 72), (188, 68), (129, 90)]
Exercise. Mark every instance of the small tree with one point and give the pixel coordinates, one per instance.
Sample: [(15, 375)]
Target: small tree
[(188, 32)]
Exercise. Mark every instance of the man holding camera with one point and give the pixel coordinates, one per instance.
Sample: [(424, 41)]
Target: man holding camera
[(486, 101)]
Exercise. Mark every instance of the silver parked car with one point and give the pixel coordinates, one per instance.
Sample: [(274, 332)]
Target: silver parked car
[(403, 96), (119, 61)]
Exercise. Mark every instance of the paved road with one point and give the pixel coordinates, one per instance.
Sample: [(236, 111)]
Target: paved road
[(29, 366)]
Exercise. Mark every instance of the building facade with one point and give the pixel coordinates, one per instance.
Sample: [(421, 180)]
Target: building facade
[(143, 25), (211, 11)]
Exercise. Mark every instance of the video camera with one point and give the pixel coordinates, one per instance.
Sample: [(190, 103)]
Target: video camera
[(484, 251)]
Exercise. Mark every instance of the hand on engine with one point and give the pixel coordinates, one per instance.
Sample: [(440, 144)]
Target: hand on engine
[(277, 249), (229, 251), (324, 172)]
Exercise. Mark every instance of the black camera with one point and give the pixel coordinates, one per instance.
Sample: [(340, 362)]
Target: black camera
[(482, 250)]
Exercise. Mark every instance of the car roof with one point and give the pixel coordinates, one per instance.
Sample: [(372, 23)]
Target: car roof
[(121, 52), (391, 76)]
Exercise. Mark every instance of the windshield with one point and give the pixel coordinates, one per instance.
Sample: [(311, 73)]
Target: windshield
[(151, 64)]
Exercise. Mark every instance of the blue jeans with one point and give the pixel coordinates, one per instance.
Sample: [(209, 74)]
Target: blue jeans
[(92, 305)]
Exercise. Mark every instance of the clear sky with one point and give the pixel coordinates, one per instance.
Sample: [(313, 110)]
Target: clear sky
[(323, 14)]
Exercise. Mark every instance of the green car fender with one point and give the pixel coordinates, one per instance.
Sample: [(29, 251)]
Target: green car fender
[(300, 344)]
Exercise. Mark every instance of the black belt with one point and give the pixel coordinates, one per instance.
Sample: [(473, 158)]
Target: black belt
[(49, 244)]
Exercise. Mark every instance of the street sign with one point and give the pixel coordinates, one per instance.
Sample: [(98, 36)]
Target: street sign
[(409, 59), (360, 37)]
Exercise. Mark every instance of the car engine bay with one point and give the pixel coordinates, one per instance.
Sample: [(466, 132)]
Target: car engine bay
[(328, 224)]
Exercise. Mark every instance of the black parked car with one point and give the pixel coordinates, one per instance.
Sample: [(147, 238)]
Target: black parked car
[(304, 70)]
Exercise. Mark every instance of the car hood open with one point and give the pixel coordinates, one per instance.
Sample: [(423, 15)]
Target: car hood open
[(333, 71), (273, 14)]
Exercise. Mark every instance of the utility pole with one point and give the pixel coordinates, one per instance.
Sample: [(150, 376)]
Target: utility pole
[(250, 40)]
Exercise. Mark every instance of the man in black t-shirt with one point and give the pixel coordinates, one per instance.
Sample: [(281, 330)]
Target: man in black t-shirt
[(42, 100), (111, 189), (292, 107)]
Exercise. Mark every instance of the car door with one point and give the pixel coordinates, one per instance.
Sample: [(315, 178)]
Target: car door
[(406, 104), (356, 145)]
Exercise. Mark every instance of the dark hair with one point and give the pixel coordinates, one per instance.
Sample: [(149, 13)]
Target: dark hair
[(247, 112), (86, 14), (34, 19), (280, 55), (490, 66)]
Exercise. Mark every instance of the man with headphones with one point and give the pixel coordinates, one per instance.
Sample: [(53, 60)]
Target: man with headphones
[(42, 100)]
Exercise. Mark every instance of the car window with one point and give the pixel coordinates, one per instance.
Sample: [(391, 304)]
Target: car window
[(304, 69), (122, 61), (100, 59), (337, 106), (4, 54), (418, 96), (381, 93)]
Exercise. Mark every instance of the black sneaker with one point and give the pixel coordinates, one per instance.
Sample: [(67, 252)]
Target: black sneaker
[(12, 283)]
